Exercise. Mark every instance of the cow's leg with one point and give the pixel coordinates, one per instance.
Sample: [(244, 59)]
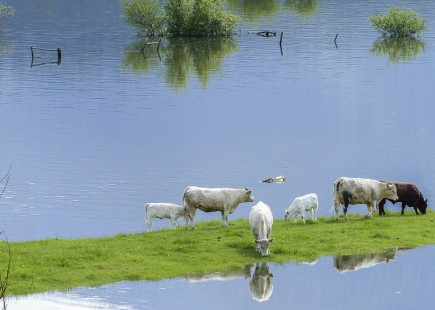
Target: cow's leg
[(403, 208), (336, 207), (225, 218), (345, 206), (416, 210), (381, 206), (303, 219), (190, 214), (173, 223), (371, 208), (149, 223)]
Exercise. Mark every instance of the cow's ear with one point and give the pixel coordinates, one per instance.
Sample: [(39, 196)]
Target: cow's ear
[(270, 240), (247, 189), (257, 241)]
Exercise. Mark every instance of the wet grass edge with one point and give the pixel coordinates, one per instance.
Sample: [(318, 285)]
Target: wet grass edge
[(62, 264)]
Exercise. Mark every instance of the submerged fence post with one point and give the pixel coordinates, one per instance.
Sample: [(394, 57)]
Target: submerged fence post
[(59, 54), (280, 42)]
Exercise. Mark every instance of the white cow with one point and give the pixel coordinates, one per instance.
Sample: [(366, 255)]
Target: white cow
[(224, 200), (361, 191), (301, 204), (261, 220), (162, 210)]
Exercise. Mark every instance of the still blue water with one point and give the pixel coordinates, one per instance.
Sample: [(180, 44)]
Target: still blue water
[(93, 139)]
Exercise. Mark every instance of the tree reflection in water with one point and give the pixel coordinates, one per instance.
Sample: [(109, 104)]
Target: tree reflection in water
[(254, 11), (179, 58), (398, 49)]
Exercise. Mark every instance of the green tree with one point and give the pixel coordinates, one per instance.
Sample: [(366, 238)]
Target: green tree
[(145, 16), (199, 18), (398, 23)]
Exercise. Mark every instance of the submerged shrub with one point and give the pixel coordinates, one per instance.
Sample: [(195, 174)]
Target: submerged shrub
[(6, 10), (145, 16), (200, 18), (398, 23)]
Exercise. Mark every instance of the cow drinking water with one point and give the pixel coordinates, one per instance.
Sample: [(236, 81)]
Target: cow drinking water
[(361, 191), (224, 200), (261, 221)]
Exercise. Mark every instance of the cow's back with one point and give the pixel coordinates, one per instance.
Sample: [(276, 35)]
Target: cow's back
[(261, 215)]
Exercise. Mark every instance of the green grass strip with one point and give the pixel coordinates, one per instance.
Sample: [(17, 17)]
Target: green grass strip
[(61, 264)]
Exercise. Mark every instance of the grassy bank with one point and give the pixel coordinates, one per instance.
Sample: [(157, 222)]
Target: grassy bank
[(59, 264)]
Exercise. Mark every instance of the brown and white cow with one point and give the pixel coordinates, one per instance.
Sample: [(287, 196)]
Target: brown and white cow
[(224, 200), (409, 195), (361, 191)]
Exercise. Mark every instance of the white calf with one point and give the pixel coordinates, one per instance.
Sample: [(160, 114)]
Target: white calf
[(301, 204), (162, 210)]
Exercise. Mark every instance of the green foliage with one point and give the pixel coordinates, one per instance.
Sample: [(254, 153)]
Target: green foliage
[(178, 15), (60, 264), (200, 18), (208, 18), (6, 10), (398, 23), (145, 16)]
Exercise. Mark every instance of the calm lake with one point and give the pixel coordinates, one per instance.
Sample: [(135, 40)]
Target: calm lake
[(94, 137)]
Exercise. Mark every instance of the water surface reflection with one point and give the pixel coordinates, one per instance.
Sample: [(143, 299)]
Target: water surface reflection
[(398, 49), (180, 59), (355, 262), (307, 286)]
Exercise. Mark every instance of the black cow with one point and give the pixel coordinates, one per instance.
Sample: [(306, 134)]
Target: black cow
[(408, 194)]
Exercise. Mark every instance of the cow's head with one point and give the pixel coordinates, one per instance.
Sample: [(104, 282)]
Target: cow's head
[(286, 215), (390, 192), (422, 206), (249, 196), (264, 246)]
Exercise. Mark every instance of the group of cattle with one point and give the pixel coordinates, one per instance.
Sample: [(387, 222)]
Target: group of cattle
[(346, 191)]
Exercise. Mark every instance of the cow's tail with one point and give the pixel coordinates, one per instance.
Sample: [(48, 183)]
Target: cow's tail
[(146, 209)]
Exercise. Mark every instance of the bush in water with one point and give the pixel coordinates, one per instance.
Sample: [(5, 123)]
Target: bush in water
[(177, 18), (398, 23)]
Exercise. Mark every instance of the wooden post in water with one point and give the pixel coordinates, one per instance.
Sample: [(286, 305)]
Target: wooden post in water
[(280, 42), (59, 52)]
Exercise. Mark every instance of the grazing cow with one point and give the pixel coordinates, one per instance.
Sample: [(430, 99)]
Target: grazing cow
[(361, 191), (261, 221), (301, 204), (225, 200), (261, 286), (408, 194), (162, 210)]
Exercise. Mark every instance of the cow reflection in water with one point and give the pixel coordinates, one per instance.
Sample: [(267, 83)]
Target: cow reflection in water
[(345, 263), (223, 276), (261, 286)]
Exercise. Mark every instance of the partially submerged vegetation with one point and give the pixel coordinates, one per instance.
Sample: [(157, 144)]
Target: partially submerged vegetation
[(399, 23), (179, 18), (60, 264), (6, 10)]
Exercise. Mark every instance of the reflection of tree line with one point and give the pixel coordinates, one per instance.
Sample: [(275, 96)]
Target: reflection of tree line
[(181, 57)]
